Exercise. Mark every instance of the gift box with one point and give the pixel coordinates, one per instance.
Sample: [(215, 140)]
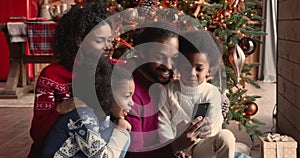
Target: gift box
[(276, 146)]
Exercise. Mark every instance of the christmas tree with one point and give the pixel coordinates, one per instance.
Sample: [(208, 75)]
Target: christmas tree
[(236, 23)]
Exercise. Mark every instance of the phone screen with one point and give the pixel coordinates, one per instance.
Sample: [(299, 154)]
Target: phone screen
[(200, 110)]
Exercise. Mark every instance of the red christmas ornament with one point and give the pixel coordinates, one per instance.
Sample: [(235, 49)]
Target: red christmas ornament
[(252, 108)]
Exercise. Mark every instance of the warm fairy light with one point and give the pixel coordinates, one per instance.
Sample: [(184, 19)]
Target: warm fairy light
[(252, 14), (238, 122), (238, 31), (205, 28), (181, 12), (191, 5), (201, 13), (155, 19), (222, 20), (244, 25), (244, 114), (160, 7), (250, 121), (184, 21)]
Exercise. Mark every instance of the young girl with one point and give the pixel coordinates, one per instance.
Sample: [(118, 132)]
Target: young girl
[(90, 131), (200, 54)]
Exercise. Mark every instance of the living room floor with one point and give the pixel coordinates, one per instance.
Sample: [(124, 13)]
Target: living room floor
[(16, 116)]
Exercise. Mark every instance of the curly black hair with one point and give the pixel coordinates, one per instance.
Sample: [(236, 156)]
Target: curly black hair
[(109, 78), (155, 32), (201, 41), (73, 27)]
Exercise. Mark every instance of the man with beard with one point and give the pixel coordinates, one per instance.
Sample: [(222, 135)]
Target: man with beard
[(157, 48)]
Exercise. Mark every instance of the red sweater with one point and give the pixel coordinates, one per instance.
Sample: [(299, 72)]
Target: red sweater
[(53, 86), (144, 121)]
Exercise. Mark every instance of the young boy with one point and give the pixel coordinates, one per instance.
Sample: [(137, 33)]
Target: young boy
[(200, 54)]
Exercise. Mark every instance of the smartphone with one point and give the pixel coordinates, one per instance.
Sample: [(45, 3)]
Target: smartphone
[(200, 110)]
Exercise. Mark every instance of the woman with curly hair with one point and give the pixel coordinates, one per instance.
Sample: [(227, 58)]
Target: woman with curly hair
[(53, 93)]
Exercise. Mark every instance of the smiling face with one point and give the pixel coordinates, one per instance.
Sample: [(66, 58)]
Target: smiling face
[(160, 59), (99, 40), (123, 97), (195, 71)]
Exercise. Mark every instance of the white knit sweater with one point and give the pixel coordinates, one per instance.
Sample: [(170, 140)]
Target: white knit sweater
[(176, 108)]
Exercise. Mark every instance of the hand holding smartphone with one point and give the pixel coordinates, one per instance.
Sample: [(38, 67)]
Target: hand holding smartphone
[(200, 110)]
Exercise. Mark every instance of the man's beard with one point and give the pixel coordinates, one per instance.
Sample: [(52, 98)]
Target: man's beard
[(158, 79)]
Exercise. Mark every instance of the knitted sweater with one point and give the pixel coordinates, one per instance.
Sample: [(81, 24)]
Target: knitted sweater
[(52, 87), (80, 133), (177, 108)]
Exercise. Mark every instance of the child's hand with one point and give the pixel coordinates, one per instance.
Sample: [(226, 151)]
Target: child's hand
[(205, 129), (199, 128), (189, 136), (184, 155), (124, 124)]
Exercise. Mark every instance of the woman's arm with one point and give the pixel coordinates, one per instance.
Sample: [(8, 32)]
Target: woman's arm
[(45, 113)]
